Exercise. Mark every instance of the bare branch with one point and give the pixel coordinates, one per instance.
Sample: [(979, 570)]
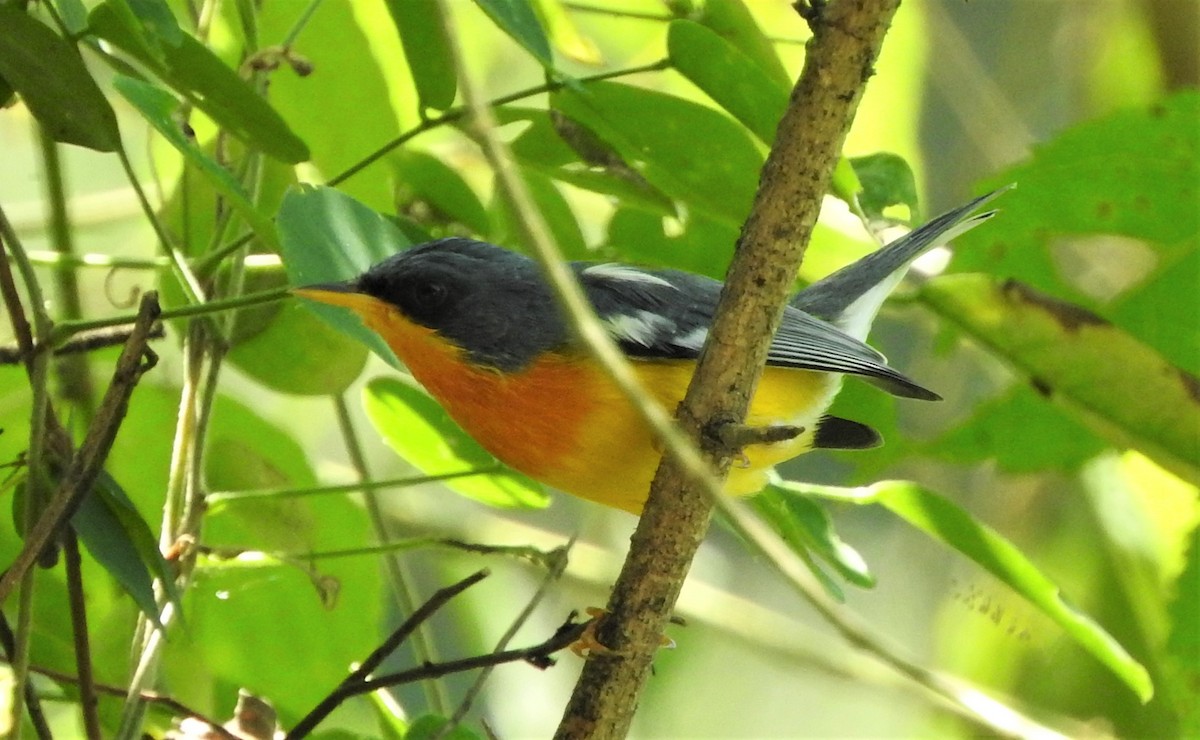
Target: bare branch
[(847, 37)]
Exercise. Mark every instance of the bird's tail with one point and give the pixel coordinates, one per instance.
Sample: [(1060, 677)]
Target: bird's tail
[(850, 297)]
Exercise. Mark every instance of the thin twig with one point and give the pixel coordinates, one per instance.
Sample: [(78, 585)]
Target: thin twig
[(301, 21), (537, 655), (32, 703), (90, 458), (11, 354), (66, 329), (192, 289), (19, 665), (461, 112), (221, 497), (521, 552), (148, 637), (171, 704), (93, 259), (79, 630), (562, 558), (359, 676)]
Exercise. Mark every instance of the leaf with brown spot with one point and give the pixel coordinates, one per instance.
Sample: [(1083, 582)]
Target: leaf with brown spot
[(1119, 387)]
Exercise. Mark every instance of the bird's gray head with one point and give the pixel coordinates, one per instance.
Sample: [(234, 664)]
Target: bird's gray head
[(489, 301)]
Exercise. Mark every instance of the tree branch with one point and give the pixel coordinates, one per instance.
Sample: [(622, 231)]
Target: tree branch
[(847, 37)]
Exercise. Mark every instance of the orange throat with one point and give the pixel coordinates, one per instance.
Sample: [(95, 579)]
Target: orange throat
[(529, 419)]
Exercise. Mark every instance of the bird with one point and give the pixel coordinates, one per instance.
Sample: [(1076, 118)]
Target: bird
[(479, 327)]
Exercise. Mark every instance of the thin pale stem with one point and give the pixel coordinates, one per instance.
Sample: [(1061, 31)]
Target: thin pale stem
[(19, 660), (226, 497), (183, 272), (456, 114), (66, 329), (73, 375), (301, 21), (398, 577)]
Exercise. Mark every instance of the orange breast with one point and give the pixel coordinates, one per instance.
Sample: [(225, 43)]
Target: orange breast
[(529, 420), (567, 425)]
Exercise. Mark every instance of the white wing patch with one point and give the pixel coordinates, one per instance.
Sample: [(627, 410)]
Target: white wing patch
[(693, 340), (641, 327), (626, 273)]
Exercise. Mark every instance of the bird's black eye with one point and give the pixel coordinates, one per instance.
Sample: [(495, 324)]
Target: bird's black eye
[(427, 297)]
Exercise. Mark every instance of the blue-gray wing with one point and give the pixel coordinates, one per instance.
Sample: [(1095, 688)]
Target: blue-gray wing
[(665, 315)]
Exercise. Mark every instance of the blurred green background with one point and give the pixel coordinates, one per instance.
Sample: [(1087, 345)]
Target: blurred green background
[(1087, 105)]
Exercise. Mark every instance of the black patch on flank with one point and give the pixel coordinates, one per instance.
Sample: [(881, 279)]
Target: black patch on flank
[(836, 433)]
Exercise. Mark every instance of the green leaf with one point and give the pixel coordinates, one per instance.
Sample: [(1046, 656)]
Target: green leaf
[(541, 146), (426, 43), (429, 726), (565, 34), (1117, 194), (1022, 433), (554, 209), (348, 77), (7, 94), (47, 72), (731, 20), (845, 183), (203, 79), (517, 19), (120, 540), (1118, 386), (248, 452), (728, 76), (1160, 312), (425, 178), (158, 107), (327, 236), (1183, 643), (423, 434), (886, 180), (807, 528), (691, 153), (949, 524), (704, 246), (132, 26), (158, 21), (74, 16), (298, 353)]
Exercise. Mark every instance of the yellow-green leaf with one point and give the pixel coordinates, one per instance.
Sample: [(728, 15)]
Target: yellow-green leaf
[(1117, 385)]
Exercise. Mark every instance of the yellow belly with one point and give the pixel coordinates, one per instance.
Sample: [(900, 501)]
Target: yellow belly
[(622, 455)]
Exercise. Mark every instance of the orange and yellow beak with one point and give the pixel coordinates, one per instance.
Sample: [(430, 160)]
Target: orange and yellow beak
[(345, 295)]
